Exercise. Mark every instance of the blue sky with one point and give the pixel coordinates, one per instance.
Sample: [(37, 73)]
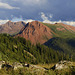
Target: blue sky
[(53, 10)]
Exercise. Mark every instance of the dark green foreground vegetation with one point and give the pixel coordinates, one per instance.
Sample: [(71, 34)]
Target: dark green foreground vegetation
[(21, 50)]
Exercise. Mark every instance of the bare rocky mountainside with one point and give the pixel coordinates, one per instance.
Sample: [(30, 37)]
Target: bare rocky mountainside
[(36, 32), (11, 27)]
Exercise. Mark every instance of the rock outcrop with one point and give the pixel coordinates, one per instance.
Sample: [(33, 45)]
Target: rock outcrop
[(16, 65), (36, 67), (1, 63), (62, 65)]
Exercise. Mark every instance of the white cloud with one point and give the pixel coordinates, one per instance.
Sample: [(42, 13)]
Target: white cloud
[(51, 16), (46, 20), (7, 6), (69, 22), (16, 19), (3, 21), (28, 20), (52, 22), (43, 16), (31, 2), (72, 23)]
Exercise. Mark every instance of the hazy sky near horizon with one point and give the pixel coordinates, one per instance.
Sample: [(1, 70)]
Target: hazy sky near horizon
[(38, 9)]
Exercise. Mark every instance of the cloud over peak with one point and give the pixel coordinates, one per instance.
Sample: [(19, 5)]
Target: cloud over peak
[(7, 6), (46, 20)]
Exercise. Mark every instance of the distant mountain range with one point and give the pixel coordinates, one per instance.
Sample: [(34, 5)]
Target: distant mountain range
[(38, 32)]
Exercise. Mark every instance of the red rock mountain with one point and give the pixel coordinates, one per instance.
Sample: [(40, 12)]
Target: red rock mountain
[(11, 27), (36, 32)]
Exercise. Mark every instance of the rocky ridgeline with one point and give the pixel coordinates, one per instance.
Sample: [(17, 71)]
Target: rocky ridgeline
[(60, 65), (17, 65)]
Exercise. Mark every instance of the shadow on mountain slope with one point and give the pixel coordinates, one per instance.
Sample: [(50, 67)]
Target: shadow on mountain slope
[(66, 45)]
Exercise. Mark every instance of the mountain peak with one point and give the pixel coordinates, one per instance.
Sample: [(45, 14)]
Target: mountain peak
[(11, 27), (36, 32)]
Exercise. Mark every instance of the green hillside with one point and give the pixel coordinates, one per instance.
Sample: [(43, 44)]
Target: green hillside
[(63, 41), (21, 50), (58, 33), (65, 45)]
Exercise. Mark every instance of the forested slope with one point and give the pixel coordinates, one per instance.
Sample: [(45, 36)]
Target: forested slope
[(21, 50)]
